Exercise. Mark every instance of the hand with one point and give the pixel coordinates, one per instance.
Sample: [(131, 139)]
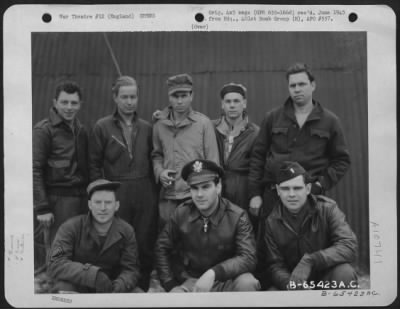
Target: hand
[(46, 219), (166, 177), (316, 188), (156, 115), (117, 286), (205, 282), (255, 205), (103, 284), (303, 269)]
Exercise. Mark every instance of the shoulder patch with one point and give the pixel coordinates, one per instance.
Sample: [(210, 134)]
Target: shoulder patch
[(57, 252)]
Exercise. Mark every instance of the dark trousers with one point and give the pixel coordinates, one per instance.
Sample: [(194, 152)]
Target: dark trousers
[(138, 200), (337, 276), (63, 208), (270, 198)]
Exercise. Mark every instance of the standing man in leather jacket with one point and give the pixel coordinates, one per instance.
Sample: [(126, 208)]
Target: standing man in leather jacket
[(213, 237), (235, 138), (301, 130), (60, 163), (120, 149), (308, 242)]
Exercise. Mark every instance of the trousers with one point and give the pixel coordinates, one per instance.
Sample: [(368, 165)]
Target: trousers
[(63, 208), (242, 283), (138, 200)]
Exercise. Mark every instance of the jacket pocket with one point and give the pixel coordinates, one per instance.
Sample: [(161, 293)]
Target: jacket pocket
[(114, 149), (57, 170), (279, 140), (319, 141)]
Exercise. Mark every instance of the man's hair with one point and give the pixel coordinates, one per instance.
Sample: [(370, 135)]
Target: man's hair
[(69, 87), (124, 81), (299, 68), (217, 180)]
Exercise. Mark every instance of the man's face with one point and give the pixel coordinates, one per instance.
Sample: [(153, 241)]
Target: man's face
[(293, 193), (103, 206), (233, 105), (67, 105), (181, 101), (126, 100), (301, 88), (205, 196)]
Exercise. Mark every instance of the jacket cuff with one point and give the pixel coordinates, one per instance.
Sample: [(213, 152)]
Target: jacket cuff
[(318, 261), (219, 273), (157, 172), (42, 209), (255, 191), (91, 274), (169, 285), (125, 287)]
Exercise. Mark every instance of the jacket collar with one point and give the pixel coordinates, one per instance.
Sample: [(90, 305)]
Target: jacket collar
[(166, 116), (56, 120), (223, 127), (113, 234), (216, 216), (277, 212), (315, 114), (117, 118)]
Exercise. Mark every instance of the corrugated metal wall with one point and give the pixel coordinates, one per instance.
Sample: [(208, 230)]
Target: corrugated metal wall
[(256, 59)]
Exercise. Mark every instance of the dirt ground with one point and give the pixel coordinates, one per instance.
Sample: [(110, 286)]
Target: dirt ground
[(43, 283)]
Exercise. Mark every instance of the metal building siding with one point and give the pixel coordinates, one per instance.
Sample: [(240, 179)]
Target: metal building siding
[(256, 59)]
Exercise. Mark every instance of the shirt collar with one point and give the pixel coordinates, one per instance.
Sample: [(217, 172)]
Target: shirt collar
[(316, 112), (167, 117), (117, 117), (215, 217), (224, 128), (112, 235)]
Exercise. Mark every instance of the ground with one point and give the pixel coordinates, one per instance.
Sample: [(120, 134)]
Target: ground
[(43, 283)]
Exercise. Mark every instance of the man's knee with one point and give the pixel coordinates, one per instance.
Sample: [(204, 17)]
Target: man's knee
[(342, 274), (64, 287), (246, 282)]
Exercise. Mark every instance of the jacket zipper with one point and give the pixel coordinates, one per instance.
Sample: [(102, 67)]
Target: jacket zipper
[(118, 141)]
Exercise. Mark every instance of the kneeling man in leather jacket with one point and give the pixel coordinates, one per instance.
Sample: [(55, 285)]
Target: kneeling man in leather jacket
[(210, 237), (308, 242)]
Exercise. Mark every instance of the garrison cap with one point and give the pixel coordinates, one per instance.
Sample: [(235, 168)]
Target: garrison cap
[(102, 184), (233, 87), (288, 170), (199, 171), (181, 82)]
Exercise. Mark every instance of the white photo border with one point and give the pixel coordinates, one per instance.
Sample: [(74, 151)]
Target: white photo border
[(21, 20)]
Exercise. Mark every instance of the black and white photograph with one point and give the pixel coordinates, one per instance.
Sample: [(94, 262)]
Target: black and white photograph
[(173, 159)]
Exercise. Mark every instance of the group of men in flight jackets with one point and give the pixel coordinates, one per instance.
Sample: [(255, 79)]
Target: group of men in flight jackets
[(222, 205)]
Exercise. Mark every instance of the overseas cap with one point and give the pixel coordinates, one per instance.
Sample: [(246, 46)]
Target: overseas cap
[(181, 82), (288, 170), (102, 184), (233, 87), (199, 171)]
